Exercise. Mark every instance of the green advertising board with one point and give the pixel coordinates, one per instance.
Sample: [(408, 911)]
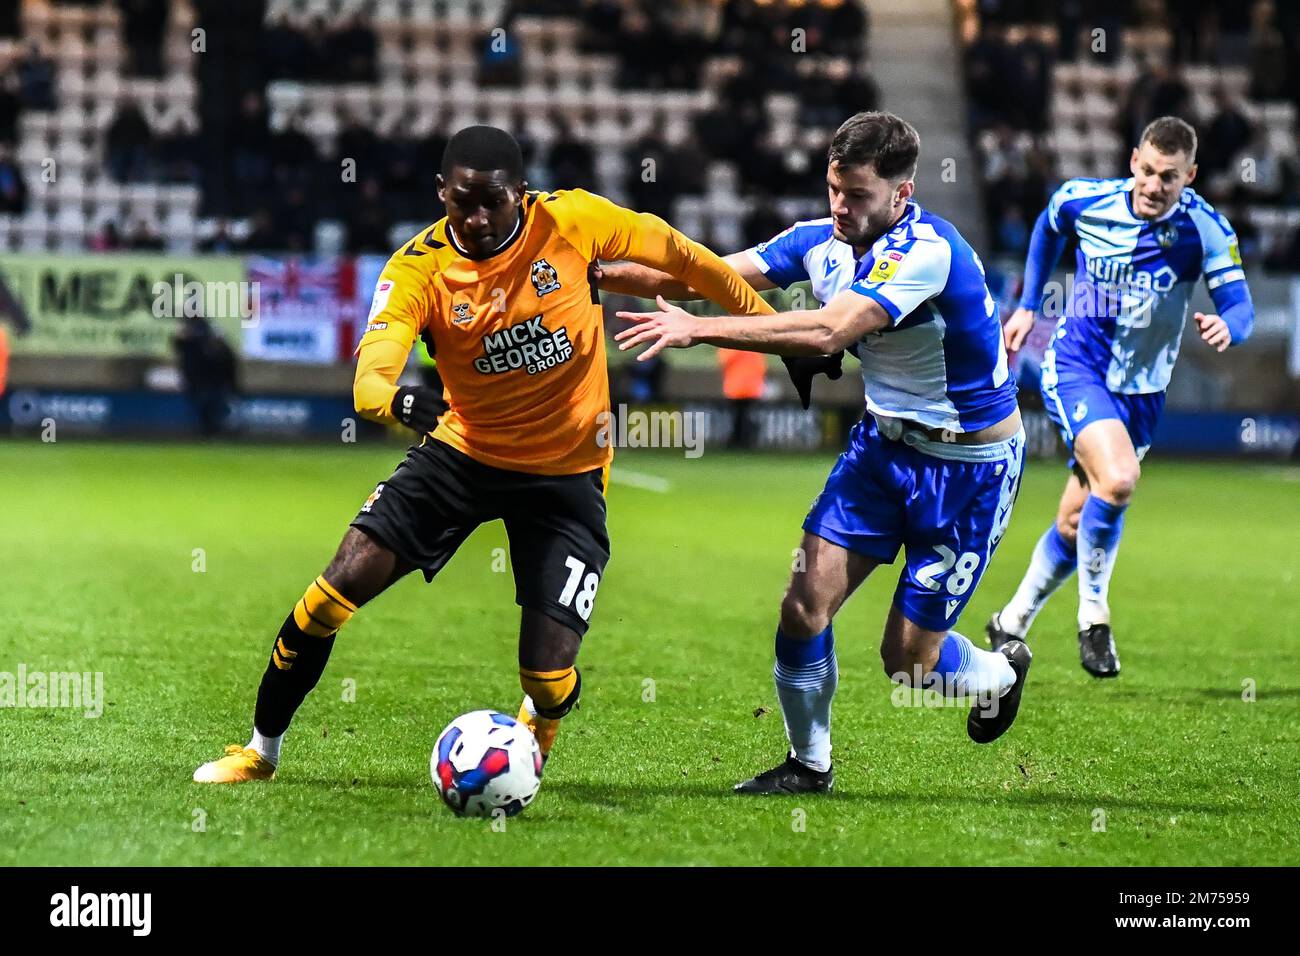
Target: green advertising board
[(118, 304)]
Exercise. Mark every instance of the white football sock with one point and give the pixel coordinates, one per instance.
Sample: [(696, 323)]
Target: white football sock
[(1052, 564), (806, 676), (964, 670), (268, 747)]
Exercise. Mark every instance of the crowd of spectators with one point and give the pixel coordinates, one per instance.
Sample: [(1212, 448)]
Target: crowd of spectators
[(268, 172), (682, 36), (133, 151), (26, 83), (283, 184), (1009, 84)]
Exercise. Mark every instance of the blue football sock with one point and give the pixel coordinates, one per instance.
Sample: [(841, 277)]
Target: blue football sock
[(806, 676), (1100, 526)]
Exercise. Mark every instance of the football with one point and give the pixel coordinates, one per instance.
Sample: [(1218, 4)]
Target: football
[(484, 762)]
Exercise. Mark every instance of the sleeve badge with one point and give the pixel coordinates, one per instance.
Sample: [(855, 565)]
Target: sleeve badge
[(886, 267)]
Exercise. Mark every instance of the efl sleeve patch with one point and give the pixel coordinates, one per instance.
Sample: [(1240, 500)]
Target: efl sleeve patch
[(901, 279), (380, 301), (1219, 245), (886, 267), (400, 305)]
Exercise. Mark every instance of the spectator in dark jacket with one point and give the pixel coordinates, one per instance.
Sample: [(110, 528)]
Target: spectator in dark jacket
[(13, 191), (145, 23), (36, 80), (129, 145), (10, 104), (367, 221), (571, 160), (351, 50), (9, 19), (1229, 131), (207, 366)]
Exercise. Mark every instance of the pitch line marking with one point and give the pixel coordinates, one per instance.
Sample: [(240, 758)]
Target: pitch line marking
[(638, 479)]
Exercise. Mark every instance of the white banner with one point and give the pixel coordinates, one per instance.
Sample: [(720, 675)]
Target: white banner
[(293, 340)]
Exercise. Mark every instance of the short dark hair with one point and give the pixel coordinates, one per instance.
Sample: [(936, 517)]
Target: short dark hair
[(888, 142), (483, 147), (1170, 135)]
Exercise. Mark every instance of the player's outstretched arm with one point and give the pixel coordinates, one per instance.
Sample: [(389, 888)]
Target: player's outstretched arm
[(1046, 244), (374, 386), (606, 230), (1234, 321), (632, 278), (1234, 317), (665, 248), (377, 396), (844, 320), (1045, 247), (1017, 328), (601, 229)]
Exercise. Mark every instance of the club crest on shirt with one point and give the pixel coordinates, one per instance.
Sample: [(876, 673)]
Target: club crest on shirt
[(545, 278), (762, 246), (461, 313), (1166, 235), (886, 266)]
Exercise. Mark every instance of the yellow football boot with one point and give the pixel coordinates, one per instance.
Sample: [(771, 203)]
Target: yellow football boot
[(543, 729), (239, 765)]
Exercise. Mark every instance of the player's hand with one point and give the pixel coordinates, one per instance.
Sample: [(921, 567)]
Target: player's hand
[(1017, 328), (417, 407), (1214, 331), (670, 327), (803, 368)]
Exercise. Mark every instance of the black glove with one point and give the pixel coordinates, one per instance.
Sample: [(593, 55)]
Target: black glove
[(803, 369), (418, 407)]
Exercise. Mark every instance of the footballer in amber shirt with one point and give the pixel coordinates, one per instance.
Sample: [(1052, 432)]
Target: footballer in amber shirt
[(519, 335)]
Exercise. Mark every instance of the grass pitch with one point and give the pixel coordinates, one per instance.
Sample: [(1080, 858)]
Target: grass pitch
[(169, 569)]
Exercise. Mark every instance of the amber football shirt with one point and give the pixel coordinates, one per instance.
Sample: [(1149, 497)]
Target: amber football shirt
[(519, 335)]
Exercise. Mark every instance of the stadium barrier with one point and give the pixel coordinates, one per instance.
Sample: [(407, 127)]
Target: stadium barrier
[(695, 428), (91, 342)]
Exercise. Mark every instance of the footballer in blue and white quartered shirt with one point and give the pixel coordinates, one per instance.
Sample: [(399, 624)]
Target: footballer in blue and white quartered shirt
[(933, 467), (1144, 243)]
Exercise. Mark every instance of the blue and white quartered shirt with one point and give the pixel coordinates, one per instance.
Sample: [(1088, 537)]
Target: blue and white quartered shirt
[(941, 363), (1124, 315)]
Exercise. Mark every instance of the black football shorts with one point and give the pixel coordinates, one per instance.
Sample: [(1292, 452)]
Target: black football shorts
[(555, 523)]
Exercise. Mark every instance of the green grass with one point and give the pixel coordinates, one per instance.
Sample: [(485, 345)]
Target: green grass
[(96, 565)]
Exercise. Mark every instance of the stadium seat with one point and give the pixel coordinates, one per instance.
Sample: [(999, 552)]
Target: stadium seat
[(428, 60)]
